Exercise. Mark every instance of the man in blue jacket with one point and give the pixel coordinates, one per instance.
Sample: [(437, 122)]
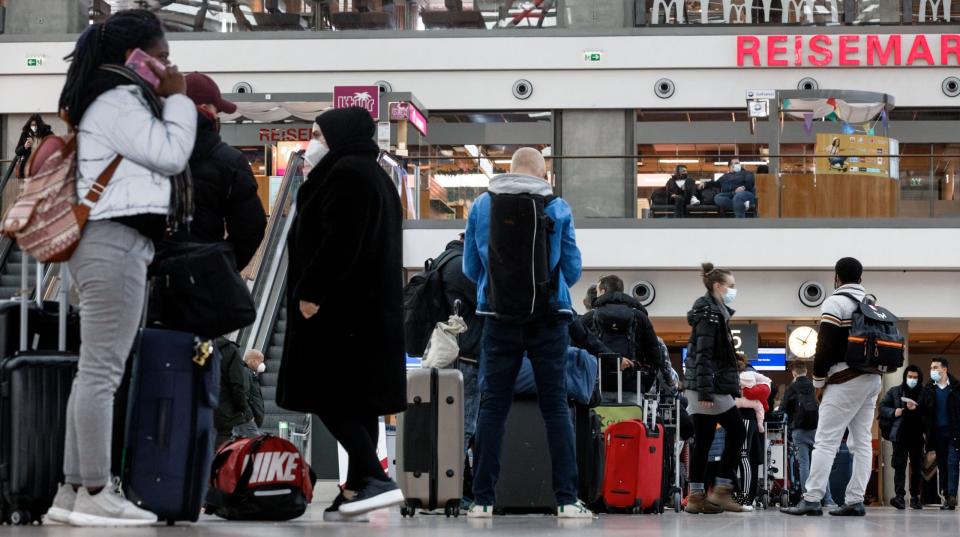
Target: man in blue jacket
[(544, 339)]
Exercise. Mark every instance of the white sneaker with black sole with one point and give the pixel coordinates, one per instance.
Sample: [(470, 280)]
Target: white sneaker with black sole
[(108, 508), (376, 494), (62, 506)]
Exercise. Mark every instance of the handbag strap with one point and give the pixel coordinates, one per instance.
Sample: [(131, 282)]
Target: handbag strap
[(100, 185)]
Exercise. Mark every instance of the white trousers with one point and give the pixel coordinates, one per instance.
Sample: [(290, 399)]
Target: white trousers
[(852, 406)]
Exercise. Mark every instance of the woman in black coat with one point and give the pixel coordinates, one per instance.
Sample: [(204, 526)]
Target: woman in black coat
[(343, 356), (33, 131), (712, 382)]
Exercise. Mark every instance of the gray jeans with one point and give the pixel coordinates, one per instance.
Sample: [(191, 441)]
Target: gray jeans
[(110, 271)]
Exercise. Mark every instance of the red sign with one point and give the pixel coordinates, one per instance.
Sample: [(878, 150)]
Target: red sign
[(822, 50), (363, 96), (285, 135)]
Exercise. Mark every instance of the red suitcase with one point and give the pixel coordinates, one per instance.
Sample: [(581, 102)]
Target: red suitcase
[(633, 471)]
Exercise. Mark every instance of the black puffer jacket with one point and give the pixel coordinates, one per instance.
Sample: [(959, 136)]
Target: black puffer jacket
[(225, 195), (711, 359)]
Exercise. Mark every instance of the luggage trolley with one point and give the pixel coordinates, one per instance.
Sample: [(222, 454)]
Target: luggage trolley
[(778, 463), (669, 414)]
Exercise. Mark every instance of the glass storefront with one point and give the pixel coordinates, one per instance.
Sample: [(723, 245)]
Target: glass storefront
[(226, 16)]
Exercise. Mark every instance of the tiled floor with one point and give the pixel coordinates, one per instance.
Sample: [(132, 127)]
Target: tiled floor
[(880, 522)]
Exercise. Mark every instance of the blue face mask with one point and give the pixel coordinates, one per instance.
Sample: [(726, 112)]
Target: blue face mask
[(935, 376), (911, 383), (730, 296)]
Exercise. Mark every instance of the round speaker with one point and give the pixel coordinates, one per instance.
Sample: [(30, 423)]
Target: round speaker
[(812, 294), (951, 86), (242, 87), (644, 292), (664, 88), (522, 89), (808, 83)]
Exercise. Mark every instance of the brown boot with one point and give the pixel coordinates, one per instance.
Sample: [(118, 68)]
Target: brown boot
[(697, 503), (722, 495)]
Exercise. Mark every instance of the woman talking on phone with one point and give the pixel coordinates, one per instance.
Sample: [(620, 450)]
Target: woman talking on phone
[(713, 381), (122, 122)]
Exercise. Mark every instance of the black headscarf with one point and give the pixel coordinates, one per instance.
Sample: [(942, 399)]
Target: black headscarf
[(347, 131)]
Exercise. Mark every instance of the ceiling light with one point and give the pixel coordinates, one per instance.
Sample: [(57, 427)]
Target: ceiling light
[(721, 163), (678, 161), (755, 162)]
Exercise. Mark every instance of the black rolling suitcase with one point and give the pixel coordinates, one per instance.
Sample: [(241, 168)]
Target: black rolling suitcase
[(34, 388)]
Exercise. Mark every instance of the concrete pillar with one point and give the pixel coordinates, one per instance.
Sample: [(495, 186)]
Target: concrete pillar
[(36, 17), (597, 187), (596, 13)]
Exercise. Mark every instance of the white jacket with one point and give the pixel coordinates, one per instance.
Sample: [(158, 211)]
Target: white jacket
[(120, 122)]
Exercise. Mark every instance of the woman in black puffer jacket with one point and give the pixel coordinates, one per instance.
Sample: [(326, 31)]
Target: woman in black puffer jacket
[(713, 381)]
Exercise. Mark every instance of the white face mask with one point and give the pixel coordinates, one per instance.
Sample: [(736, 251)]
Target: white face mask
[(315, 152), (730, 296), (737, 168), (261, 368), (935, 376), (681, 182), (912, 383)]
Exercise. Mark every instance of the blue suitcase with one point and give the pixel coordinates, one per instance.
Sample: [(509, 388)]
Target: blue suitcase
[(168, 444)]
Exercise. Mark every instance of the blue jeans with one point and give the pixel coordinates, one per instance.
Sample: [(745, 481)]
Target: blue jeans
[(471, 400), (736, 202), (545, 341), (804, 439), (949, 465)]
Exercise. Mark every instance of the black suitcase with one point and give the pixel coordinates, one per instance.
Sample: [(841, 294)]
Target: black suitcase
[(590, 455), (34, 388), (169, 438)]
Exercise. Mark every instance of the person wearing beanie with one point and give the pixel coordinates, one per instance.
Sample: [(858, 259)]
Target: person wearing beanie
[(343, 357)]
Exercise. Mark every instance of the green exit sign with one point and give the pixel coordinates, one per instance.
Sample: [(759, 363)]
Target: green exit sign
[(916, 181), (34, 61), (592, 56)]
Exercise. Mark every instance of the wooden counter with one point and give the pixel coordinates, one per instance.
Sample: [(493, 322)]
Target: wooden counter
[(828, 196)]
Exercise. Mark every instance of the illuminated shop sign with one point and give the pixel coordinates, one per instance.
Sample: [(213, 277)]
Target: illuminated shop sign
[(848, 50), (405, 111), (367, 97)]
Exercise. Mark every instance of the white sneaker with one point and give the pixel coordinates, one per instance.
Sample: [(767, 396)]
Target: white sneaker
[(333, 513), (62, 506), (694, 201), (480, 511), (577, 510), (746, 508), (108, 508), (746, 204), (375, 495)]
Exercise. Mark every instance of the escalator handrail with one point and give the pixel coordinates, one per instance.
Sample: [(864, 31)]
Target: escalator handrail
[(265, 285), (269, 305), (273, 234), (6, 243)]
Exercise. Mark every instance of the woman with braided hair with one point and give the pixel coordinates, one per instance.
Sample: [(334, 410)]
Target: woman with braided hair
[(120, 121)]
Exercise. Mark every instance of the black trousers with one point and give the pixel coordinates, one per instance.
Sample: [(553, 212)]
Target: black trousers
[(358, 436), (680, 203), (901, 452), (705, 427)]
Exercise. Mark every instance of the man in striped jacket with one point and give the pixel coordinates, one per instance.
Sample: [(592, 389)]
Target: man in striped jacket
[(848, 399)]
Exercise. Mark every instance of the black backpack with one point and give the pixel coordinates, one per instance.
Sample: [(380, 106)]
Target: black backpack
[(616, 325), (808, 412), (519, 280), (874, 344), (425, 303)]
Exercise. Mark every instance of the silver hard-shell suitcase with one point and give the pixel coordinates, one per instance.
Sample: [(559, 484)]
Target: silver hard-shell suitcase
[(430, 442)]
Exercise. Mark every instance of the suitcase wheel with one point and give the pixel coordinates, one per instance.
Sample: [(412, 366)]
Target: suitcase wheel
[(677, 502), (785, 499), (19, 518), (407, 512)]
